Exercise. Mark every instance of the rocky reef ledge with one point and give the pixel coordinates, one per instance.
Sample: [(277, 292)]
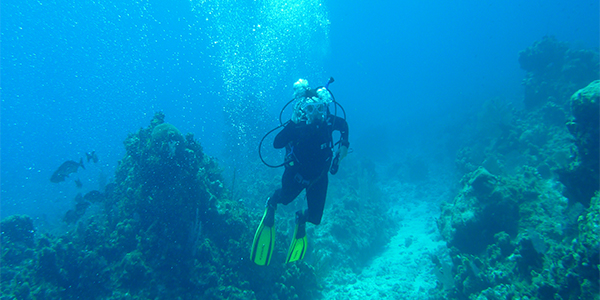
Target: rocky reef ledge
[(165, 229), (526, 221)]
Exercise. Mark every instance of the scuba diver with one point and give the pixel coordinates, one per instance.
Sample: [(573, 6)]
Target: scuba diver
[(307, 139)]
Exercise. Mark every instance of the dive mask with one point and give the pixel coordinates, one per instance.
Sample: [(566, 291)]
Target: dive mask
[(311, 105), (313, 111), (312, 108)]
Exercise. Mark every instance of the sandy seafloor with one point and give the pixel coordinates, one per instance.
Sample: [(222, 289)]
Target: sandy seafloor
[(404, 270)]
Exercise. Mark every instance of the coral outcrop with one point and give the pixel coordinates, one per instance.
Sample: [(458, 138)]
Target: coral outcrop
[(485, 206), (536, 246), (166, 229), (555, 72), (581, 176), (18, 233), (525, 223)]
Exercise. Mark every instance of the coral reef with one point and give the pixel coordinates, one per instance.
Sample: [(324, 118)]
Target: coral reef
[(165, 229), (581, 176), (525, 223), (18, 229), (555, 72), (485, 206), (535, 246), (18, 232)]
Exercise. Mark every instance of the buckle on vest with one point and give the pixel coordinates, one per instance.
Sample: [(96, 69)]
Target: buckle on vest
[(299, 179)]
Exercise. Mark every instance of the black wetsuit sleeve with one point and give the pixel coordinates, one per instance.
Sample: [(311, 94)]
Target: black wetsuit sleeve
[(285, 136), (342, 126)]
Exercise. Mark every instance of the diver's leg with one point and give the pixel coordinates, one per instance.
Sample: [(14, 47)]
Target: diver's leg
[(316, 195), (290, 189), (264, 238)]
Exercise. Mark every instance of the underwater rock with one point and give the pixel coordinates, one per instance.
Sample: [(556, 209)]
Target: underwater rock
[(554, 71), (545, 189), (493, 165), (543, 62), (167, 138), (166, 132), (503, 241), (165, 181), (485, 206), (540, 264), (165, 229), (464, 162), (543, 55), (18, 229), (483, 182), (47, 264), (133, 271), (530, 258), (585, 105), (17, 243), (586, 249), (553, 114), (168, 207), (581, 178)]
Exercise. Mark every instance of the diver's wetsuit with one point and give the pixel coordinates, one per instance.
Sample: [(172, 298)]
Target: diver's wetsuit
[(309, 148)]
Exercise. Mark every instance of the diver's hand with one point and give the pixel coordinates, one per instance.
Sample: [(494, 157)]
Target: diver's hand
[(339, 155), (342, 152)]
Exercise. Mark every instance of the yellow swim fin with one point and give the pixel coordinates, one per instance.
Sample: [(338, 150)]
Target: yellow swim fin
[(299, 243), (264, 239)]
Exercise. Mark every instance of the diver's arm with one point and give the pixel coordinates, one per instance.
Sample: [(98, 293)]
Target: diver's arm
[(341, 125), (285, 136)]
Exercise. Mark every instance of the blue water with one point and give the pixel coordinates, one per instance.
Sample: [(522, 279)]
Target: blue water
[(79, 76)]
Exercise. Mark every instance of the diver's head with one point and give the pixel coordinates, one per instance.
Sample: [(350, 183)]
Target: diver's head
[(314, 110), (311, 104)]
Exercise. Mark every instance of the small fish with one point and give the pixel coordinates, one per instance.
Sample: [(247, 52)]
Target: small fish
[(65, 169), (93, 196), (78, 183), (92, 156), (79, 198), (109, 189), (71, 217), (81, 207)]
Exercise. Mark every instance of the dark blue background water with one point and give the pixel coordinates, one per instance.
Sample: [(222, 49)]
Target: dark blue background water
[(79, 76)]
